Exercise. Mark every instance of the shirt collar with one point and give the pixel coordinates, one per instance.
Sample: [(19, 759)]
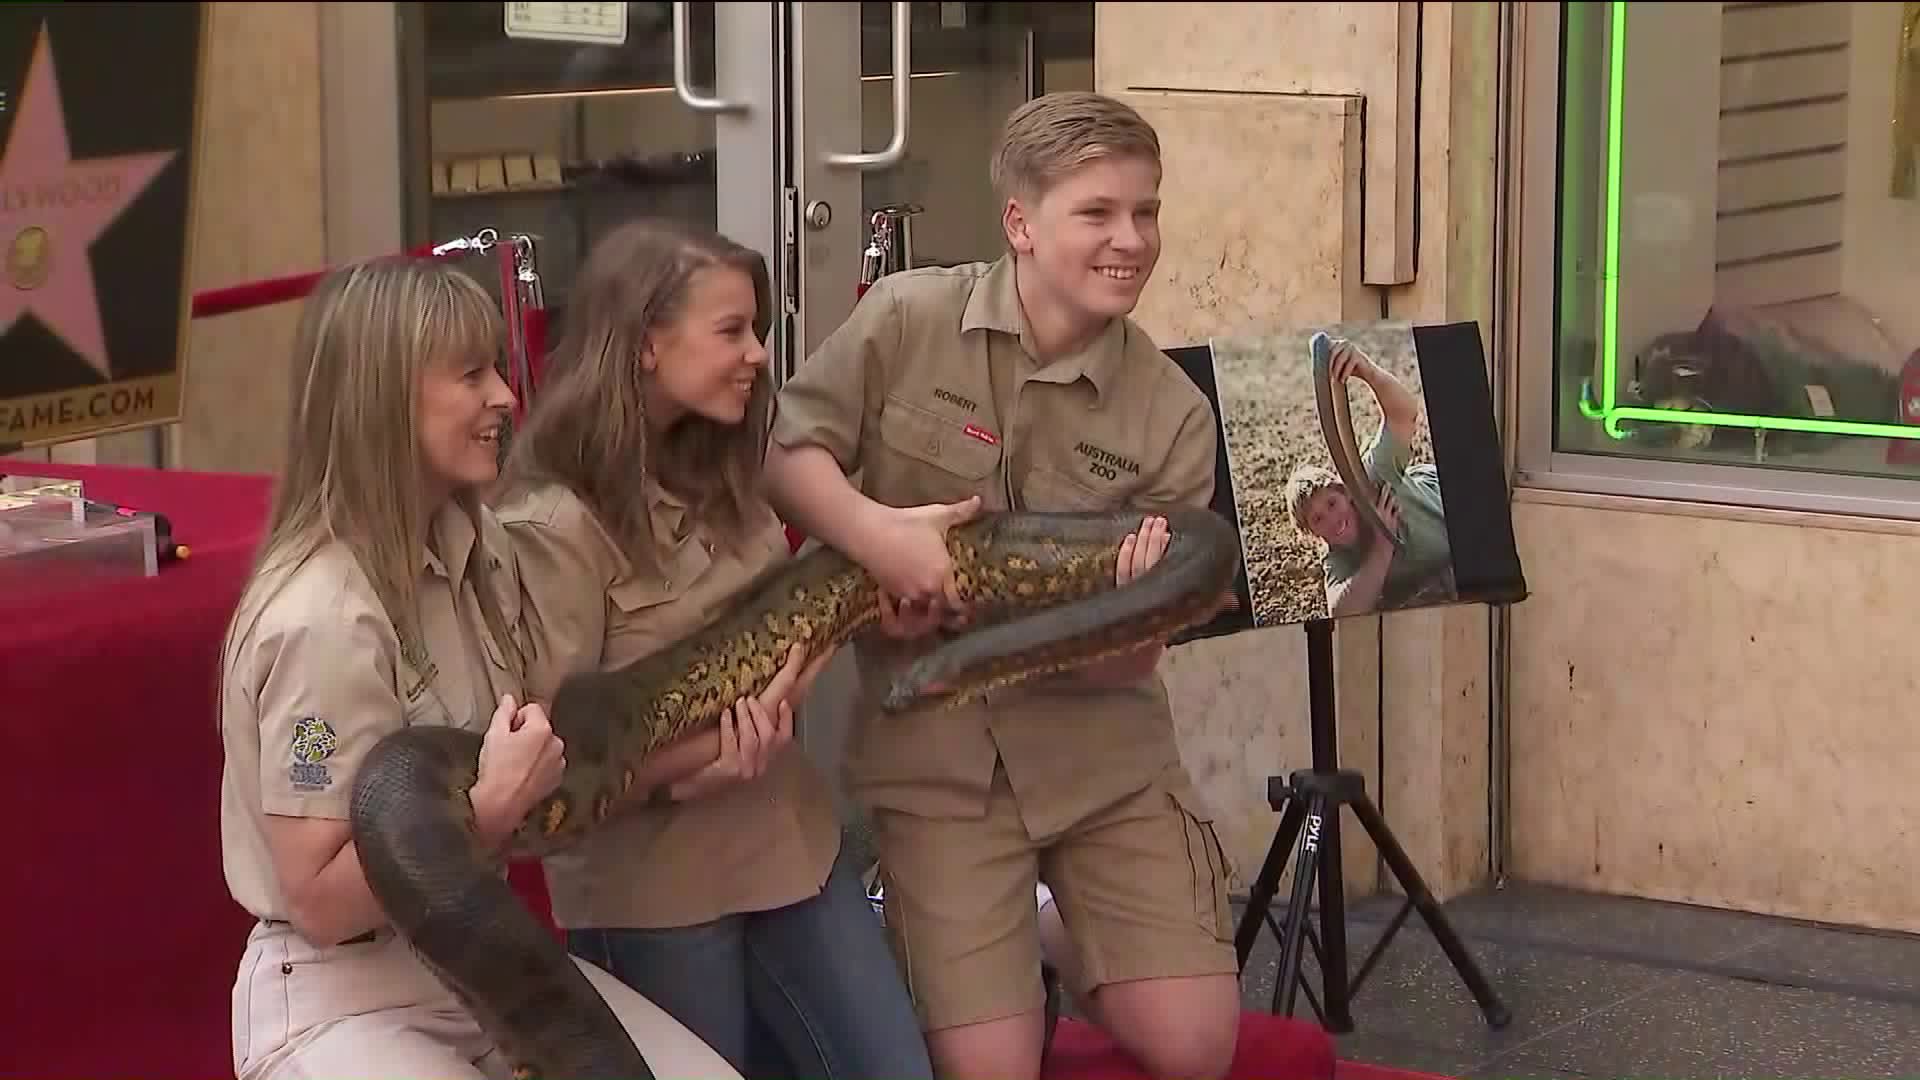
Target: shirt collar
[(994, 305), (452, 543), (678, 552), (667, 513)]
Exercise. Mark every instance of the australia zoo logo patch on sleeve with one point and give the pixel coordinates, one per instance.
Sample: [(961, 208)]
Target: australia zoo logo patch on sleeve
[(313, 743)]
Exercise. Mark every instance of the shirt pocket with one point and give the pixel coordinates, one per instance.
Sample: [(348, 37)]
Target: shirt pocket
[(427, 711), (641, 618), (519, 643), (925, 458), (1049, 489), (1206, 863), (500, 663), (423, 694)]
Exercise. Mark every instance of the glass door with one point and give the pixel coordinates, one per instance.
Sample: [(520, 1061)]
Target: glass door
[(557, 120), (788, 126), (894, 110)]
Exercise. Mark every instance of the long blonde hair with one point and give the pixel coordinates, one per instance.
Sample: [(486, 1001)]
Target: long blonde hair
[(353, 469), (589, 429)]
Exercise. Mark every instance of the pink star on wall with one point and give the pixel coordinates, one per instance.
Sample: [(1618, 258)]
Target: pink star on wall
[(52, 208)]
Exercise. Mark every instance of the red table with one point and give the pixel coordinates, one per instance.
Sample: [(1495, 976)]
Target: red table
[(121, 939)]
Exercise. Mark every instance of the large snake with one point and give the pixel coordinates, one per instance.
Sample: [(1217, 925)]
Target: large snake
[(1041, 590)]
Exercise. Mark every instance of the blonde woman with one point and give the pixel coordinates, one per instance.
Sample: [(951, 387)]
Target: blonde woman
[(385, 595), (633, 500)]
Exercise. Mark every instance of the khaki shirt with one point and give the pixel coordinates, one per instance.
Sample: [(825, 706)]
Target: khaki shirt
[(751, 846), (930, 390), (313, 678)]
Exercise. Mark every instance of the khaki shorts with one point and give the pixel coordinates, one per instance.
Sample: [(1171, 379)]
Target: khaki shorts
[(1140, 885), (374, 1010)]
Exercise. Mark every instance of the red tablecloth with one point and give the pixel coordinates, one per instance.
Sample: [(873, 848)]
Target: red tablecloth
[(120, 940)]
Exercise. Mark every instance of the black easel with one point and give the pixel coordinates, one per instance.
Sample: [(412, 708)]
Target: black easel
[(1311, 799)]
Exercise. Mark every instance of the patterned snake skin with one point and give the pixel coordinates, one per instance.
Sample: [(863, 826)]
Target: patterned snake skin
[(1042, 592)]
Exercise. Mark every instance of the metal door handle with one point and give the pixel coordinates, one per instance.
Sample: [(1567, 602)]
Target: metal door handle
[(896, 148), (681, 46)]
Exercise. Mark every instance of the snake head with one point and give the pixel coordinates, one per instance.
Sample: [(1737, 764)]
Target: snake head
[(904, 694), (1320, 347)]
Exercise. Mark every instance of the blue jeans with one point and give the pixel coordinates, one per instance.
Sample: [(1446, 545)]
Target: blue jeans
[(805, 992)]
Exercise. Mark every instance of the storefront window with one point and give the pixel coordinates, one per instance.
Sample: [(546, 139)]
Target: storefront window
[(1738, 235)]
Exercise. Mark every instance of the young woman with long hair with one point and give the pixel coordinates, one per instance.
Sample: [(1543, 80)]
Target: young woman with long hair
[(385, 595), (633, 501)]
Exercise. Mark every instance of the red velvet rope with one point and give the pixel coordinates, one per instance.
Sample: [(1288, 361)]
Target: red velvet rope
[(279, 290), (535, 320), (265, 292), (511, 307), (269, 291)]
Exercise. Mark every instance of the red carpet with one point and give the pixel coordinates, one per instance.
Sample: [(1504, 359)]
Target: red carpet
[(1354, 1070), (1271, 1048)]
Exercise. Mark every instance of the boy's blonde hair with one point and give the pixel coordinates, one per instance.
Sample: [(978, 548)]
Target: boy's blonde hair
[(1054, 134), (1306, 482)]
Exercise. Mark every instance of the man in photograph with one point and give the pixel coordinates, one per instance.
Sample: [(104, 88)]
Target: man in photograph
[(1365, 570)]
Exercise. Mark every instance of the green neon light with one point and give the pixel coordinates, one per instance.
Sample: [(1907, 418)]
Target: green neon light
[(1610, 235), (1609, 411)]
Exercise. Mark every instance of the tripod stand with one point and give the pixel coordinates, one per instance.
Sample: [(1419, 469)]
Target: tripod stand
[(1311, 799)]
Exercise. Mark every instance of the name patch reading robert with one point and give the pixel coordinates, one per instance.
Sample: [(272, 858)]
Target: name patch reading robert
[(951, 398)]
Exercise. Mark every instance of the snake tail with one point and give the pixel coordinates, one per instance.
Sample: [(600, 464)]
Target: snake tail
[(414, 835), (1077, 614)]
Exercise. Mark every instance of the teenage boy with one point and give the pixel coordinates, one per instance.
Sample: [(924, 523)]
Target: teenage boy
[(1024, 384)]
